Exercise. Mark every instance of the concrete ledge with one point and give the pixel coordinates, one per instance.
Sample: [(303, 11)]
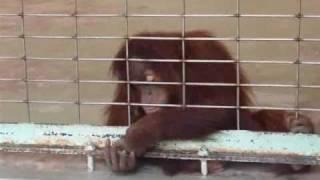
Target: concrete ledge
[(244, 146)]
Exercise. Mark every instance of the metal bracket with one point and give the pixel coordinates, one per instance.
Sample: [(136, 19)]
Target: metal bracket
[(204, 152), (90, 148)]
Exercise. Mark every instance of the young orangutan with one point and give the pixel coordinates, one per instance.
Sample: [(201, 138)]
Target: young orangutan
[(151, 124)]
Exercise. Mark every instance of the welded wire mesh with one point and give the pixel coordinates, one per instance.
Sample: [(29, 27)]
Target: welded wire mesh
[(78, 58)]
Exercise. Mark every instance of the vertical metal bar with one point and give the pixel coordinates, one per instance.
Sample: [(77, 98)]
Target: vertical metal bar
[(25, 61), (90, 148), (127, 62), (183, 29), (203, 152), (204, 167), (90, 163), (238, 66), (76, 58), (298, 61)]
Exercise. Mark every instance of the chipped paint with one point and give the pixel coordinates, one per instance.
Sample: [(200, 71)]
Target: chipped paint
[(225, 145), (57, 135), (255, 142)]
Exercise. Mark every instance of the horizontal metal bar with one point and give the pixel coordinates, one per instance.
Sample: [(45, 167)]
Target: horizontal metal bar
[(155, 38), (179, 60), (104, 81), (10, 14), (12, 101), (166, 83), (280, 108), (49, 37), (51, 102), (153, 60), (209, 15), (161, 105), (61, 37), (51, 58), (246, 15), (101, 15), (162, 15), (310, 86), (161, 38), (4, 58), (105, 103), (310, 62), (10, 36), (155, 105), (217, 38), (101, 59), (311, 16), (51, 81), (48, 14), (12, 79), (249, 61), (153, 83), (242, 146), (310, 39), (100, 37), (11, 58), (270, 39), (156, 15), (220, 15), (201, 106), (271, 15), (244, 61), (36, 102)]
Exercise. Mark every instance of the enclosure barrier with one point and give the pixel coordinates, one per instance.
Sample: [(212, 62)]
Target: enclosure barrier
[(243, 146), (239, 145)]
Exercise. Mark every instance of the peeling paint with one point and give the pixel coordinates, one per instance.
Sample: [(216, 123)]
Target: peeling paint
[(226, 145), (53, 135)]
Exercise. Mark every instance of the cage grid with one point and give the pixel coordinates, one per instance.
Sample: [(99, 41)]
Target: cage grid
[(76, 37)]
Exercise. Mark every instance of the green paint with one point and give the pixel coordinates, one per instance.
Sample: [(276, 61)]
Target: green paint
[(255, 142), (304, 148)]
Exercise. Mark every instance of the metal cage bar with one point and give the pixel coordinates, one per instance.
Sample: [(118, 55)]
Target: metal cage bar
[(25, 62), (77, 59), (238, 80), (298, 64), (164, 15), (183, 47), (77, 136), (128, 63)]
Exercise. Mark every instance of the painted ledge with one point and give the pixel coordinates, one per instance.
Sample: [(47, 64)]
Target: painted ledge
[(242, 146)]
